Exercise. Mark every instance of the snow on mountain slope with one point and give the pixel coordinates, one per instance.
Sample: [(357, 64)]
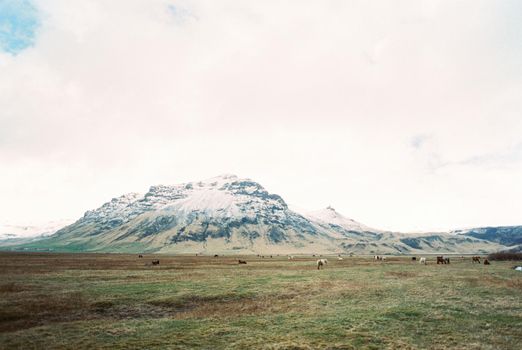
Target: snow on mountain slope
[(331, 217)]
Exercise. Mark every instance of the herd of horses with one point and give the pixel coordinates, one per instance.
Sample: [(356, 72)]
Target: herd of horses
[(321, 263)]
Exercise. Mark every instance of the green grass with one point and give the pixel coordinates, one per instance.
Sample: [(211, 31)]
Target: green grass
[(121, 302)]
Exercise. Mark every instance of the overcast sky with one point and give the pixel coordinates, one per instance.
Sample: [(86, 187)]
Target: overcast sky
[(403, 115)]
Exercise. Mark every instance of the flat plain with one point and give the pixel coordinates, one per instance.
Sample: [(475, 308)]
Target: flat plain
[(118, 301)]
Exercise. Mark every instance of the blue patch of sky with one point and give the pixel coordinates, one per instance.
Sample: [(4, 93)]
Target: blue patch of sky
[(19, 22)]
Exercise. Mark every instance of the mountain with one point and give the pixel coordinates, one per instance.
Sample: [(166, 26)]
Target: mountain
[(222, 214), (510, 236), (230, 215), (331, 219)]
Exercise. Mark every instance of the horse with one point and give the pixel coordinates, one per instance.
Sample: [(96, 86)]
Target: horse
[(216, 256), (422, 261), (155, 262), (241, 261), (140, 256), (290, 257), (446, 260), (413, 258), (321, 263), (440, 260), (475, 259), (486, 262), (339, 258)]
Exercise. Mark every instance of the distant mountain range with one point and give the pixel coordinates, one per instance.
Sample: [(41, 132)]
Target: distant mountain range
[(230, 215), (509, 236)]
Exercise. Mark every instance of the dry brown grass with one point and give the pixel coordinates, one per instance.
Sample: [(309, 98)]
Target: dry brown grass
[(121, 301), (41, 309), (402, 274)]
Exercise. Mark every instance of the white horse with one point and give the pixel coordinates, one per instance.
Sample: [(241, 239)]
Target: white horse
[(422, 261), (321, 263), (290, 257), (339, 258)]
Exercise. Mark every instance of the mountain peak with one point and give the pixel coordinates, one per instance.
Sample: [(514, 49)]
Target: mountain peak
[(331, 217)]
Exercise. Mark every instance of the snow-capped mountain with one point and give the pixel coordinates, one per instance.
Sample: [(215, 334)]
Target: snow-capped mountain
[(330, 217), (224, 213), (227, 214)]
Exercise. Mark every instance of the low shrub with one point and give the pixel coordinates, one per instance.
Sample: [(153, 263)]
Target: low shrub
[(503, 255)]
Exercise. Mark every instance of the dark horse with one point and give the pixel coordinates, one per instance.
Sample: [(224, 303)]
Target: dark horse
[(155, 262), (241, 261), (475, 259), (440, 260)]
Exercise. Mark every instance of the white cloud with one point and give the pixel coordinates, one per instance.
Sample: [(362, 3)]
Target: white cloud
[(321, 102)]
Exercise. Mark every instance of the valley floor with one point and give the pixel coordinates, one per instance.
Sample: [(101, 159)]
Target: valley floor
[(113, 301)]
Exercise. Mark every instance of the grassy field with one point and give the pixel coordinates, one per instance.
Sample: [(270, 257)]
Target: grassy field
[(86, 301)]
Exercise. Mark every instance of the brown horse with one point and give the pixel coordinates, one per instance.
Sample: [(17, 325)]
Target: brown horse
[(475, 259), (155, 262), (440, 260), (241, 261)]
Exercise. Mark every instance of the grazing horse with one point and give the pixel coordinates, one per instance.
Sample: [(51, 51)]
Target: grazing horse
[(155, 262), (486, 262), (446, 260), (216, 256), (422, 261), (321, 263), (290, 257), (413, 258), (440, 260), (140, 256), (339, 258), (241, 261), (475, 259)]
